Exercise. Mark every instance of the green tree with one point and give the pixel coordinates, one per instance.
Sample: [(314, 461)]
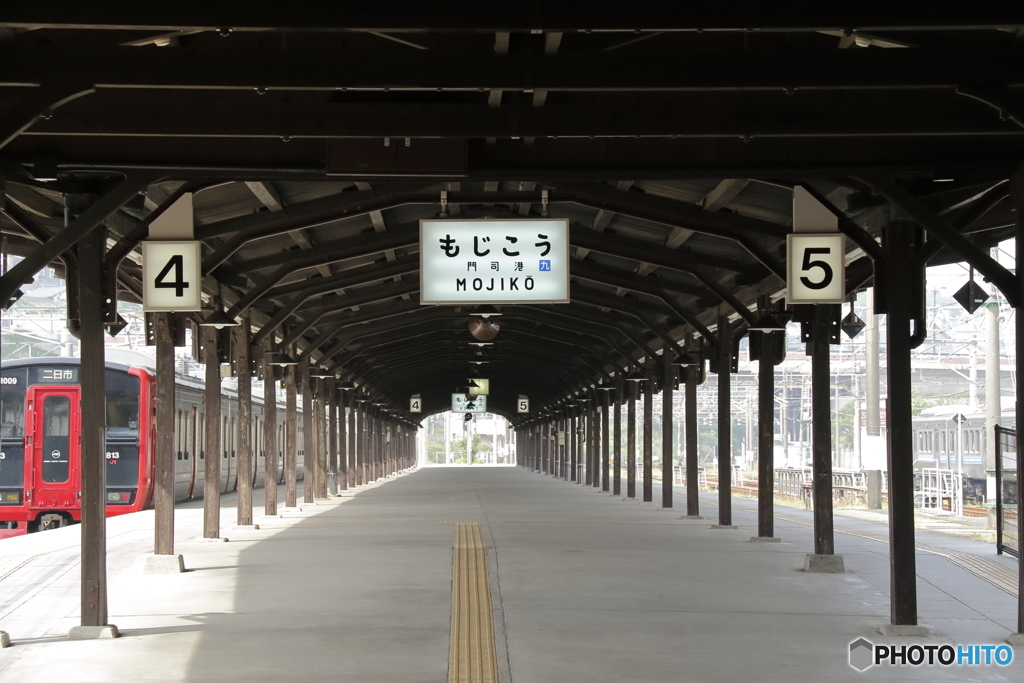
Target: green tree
[(458, 449)]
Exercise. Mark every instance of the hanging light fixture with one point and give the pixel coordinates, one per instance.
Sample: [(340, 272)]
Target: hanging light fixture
[(486, 311), (767, 323), (483, 329), (685, 360), (321, 372), (218, 318), (282, 359)]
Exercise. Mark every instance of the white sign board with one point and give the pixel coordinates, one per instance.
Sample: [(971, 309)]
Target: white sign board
[(494, 261), (816, 269), (461, 405), (415, 404), (523, 406), (171, 276)]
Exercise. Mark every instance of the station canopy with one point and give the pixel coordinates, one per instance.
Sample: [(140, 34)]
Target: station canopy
[(314, 138)]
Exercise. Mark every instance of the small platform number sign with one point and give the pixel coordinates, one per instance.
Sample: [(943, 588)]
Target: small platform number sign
[(415, 404), (523, 406), (172, 275), (817, 268)]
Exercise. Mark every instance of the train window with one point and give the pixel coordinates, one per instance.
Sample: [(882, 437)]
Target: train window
[(12, 403), (56, 439), (122, 404)]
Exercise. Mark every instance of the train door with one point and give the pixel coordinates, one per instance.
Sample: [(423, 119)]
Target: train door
[(53, 446)]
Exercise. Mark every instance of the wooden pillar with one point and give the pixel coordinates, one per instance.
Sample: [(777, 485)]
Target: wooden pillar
[(766, 437), (211, 486), (899, 249), (270, 472), (1017, 201), (825, 317), (343, 450), (617, 444), (605, 454), (588, 443), (692, 452), (163, 492), (310, 460), (244, 458), (649, 433), (93, 435), (359, 413), (724, 422), (332, 434), (353, 434), (668, 380), (291, 498), (573, 443), (320, 437), (631, 441)]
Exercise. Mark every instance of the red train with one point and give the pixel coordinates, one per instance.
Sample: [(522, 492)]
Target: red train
[(40, 423)]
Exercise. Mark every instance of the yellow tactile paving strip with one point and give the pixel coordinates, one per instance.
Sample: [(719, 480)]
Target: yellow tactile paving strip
[(982, 567), (472, 655)]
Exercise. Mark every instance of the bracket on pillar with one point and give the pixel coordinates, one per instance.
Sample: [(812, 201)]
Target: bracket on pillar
[(734, 354), (804, 314), (224, 344), (177, 323)]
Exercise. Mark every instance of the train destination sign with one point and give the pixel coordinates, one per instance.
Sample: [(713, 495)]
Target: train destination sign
[(494, 261), (460, 404), (171, 275)]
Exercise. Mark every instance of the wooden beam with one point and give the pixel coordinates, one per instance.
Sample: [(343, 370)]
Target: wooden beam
[(723, 193), (266, 193), (577, 71), (473, 17)]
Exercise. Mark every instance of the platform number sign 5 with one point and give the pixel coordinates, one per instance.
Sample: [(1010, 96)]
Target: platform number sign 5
[(523, 405), (172, 275), (816, 270), (415, 405)]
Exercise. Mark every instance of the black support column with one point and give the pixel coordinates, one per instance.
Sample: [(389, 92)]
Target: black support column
[(605, 455), (648, 454), (690, 431), (766, 436), (899, 250), (1017, 201), (724, 423), (824, 324)]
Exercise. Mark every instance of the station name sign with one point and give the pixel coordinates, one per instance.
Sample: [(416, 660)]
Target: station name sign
[(460, 404), (494, 261)]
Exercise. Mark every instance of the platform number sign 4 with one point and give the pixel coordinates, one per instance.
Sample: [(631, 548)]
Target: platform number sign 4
[(415, 405), (816, 268), (523, 405), (172, 275)]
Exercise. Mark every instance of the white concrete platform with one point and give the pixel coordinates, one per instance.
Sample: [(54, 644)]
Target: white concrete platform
[(584, 588)]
